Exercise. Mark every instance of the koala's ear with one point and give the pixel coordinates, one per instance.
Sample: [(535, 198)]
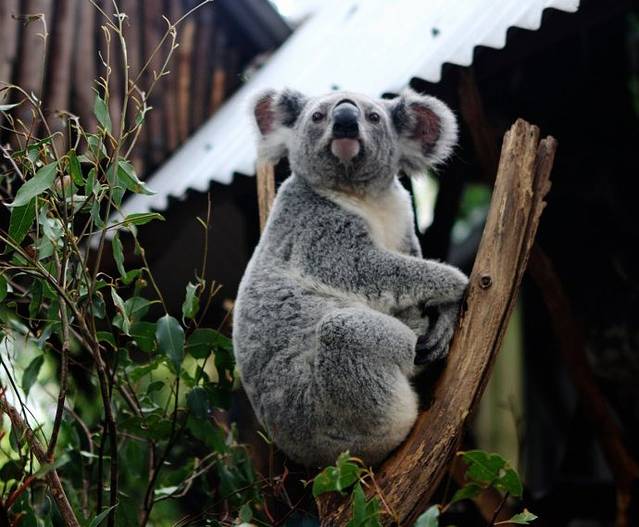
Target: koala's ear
[(427, 130), (275, 114)]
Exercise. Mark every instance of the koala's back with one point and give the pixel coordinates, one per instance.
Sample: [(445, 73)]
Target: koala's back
[(279, 309)]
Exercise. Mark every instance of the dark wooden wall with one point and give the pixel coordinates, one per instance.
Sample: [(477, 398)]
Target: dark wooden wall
[(205, 69)]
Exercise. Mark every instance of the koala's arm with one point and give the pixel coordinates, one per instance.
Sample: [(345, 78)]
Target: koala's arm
[(343, 256)]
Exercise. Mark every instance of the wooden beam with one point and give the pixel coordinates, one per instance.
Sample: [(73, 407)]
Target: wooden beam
[(411, 474), (265, 191), (84, 67)]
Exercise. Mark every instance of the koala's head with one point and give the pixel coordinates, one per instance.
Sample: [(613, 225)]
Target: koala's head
[(348, 141)]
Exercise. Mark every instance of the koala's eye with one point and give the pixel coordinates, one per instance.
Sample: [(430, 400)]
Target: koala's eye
[(373, 117), (317, 117)]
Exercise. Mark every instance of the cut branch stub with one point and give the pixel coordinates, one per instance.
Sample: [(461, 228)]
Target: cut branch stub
[(410, 475)]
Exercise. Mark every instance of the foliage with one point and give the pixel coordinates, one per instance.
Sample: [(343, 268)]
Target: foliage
[(136, 393), (484, 471), (133, 427)]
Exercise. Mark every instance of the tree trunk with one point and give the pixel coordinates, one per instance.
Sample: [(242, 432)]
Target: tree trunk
[(409, 477)]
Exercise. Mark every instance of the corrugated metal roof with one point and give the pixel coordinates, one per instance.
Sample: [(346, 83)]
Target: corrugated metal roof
[(368, 46)]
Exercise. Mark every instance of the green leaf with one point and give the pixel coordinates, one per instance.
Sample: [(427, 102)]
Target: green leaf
[(105, 336), (101, 111), (118, 253), (92, 186), (523, 518), (212, 436), (75, 170), (468, 491), (198, 402), (246, 514), (155, 386), (102, 516), (204, 341), (127, 176), (30, 374), (510, 482), (42, 181), (144, 335), (429, 519), (125, 323), (483, 467), (365, 513), (136, 307), (21, 220), (3, 287), (337, 478), (191, 304), (170, 337), (141, 218)]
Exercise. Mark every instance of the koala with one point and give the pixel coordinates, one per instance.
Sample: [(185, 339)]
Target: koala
[(337, 309)]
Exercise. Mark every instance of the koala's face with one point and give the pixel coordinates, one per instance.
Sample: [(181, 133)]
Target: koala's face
[(350, 142)]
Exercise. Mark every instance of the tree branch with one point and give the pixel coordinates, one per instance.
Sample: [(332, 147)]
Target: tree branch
[(410, 476), (53, 480)]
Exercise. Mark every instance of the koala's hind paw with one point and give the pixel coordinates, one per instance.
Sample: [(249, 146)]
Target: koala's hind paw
[(424, 352), (435, 344)]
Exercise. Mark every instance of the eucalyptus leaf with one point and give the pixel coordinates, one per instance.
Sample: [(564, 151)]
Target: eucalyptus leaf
[(523, 518), (128, 178), (198, 402), (30, 375), (191, 304), (118, 253), (125, 324), (75, 170), (35, 186), (141, 218), (102, 516), (170, 337), (429, 519), (101, 111), (21, 220), (3, 287)]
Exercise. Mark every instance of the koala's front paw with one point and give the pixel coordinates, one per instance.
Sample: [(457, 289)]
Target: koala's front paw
[(435, 344), (415, 318)]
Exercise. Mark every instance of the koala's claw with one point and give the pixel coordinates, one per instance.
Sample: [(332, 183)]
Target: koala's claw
[(435, 344), (425, 353)]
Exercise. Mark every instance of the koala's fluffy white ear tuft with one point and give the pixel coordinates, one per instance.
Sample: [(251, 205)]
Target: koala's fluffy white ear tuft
[(275, 115), (427, 130)]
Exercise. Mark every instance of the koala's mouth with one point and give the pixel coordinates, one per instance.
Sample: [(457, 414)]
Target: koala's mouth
[(346, 149)]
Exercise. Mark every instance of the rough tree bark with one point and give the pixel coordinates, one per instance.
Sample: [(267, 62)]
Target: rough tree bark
[(409, 477)]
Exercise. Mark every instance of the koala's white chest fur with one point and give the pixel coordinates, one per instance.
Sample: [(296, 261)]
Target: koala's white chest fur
[(389, 216)]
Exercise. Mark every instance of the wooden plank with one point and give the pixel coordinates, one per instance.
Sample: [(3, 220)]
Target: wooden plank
[(8, 44), (184, 69), (153, 30), (202, 66), (8, 38), (133, 36), (58, 85), (84, 66), (32, 54), (409, 477), (265, 191), (220, 71), (170, 88)]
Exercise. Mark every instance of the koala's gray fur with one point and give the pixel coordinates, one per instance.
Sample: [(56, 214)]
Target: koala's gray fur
[(331, 305)]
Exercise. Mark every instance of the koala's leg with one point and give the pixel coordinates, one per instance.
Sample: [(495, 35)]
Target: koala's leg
[(362, 369)]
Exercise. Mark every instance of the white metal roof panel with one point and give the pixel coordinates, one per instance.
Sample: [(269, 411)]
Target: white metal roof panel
[(369, 46)]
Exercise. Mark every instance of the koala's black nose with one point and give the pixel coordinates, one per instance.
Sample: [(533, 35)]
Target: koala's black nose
[(345, 120)]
